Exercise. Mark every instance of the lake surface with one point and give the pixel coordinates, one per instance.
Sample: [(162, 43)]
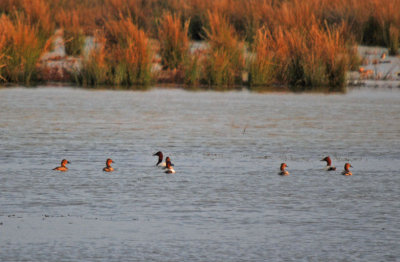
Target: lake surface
[(226, 201)]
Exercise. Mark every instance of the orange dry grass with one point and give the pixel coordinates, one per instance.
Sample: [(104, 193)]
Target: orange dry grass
[(261, 64), (38, 12), (123, 56), (174, 41), (225, 60), (292, 23), (73, 32), (21, 47), (95, 69), (220, 33), (2, 55), (313, 58)]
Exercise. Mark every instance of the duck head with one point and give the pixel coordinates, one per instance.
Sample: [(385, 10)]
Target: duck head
[(347, 166), (160, 157), (109, 161), (328, 160), (64, 162)]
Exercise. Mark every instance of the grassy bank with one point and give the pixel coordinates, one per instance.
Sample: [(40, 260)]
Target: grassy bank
[(259, 43)]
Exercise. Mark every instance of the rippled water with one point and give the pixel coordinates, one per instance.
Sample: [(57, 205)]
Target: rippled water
[(226, 201)]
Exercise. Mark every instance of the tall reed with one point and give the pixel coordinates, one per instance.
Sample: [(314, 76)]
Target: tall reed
[(130, 54), (123, 57), (311, 59), (174, 41), (394, 38), (2, 56), (73, 32), (261, 62), (95, 69), (38, 13), (224, 60), (21, 49)]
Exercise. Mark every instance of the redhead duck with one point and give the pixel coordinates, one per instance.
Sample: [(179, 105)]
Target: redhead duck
[(329, 166), (346, 171), (63, 167), (283, 171), (169, 168), (108, 167)]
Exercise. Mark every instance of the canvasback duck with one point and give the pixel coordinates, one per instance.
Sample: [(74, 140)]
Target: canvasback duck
[(283, 171), (346, 171), (160, 159), (329, 166), (108, 167), (169, 168), (63, 167)]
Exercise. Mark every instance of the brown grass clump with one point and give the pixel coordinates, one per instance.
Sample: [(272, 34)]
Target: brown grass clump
[(314, 58), (2, 56), (130, 53), (38, 13), (224, 60), (21, 49), (73, 32), (394, 39), (123, 57), (261, 62), (95, 69), (174, 41)]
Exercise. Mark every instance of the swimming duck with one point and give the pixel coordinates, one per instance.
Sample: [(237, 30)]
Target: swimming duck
[(329, 166), (346, 171), (108, 167), (170, 169), (283, 172), (63, 167), (160, 158), (167, 159)]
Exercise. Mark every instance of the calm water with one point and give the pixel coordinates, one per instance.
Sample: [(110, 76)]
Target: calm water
[(226, 201)]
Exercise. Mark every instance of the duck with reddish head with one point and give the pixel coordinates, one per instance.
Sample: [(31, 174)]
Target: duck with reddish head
[(329, 166), (283, 171), (168, 167), (108, 167), (63, 167), (346, 171)]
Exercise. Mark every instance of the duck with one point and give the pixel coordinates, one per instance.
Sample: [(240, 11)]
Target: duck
[(283, 171), (160, 159), (167, 159), (63, 167), (329, 166), (346, 171), (108, 167), (169, 168)]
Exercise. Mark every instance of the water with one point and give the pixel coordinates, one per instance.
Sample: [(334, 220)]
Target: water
[(226, 201)]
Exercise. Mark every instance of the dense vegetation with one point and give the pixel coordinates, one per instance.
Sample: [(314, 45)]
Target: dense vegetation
[(302, 44)]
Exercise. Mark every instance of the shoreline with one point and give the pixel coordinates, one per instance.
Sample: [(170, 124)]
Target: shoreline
[(56, 68)]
